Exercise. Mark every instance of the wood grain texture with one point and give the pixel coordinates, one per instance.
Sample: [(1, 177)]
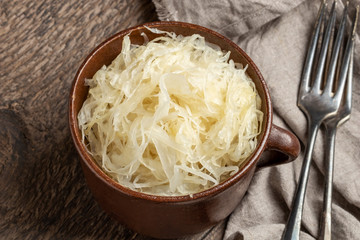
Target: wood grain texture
[(43, 194)]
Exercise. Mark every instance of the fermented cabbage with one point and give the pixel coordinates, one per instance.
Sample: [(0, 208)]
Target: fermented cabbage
[(171, 117)]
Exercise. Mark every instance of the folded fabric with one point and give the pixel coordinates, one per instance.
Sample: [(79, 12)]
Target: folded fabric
[(275, 34)]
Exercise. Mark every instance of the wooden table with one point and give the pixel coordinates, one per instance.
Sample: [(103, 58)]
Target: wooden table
[(43, 194)]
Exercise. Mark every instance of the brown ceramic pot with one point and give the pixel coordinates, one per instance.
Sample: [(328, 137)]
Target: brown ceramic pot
[(168, 217)]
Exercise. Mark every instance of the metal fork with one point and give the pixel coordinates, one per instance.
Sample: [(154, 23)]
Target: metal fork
[(331, 126), (319, 103)]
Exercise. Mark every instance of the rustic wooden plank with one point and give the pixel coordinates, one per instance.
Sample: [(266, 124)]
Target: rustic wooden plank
[(43, 192)]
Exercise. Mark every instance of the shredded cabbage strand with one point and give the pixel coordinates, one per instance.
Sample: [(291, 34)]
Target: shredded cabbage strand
[(172, 117)]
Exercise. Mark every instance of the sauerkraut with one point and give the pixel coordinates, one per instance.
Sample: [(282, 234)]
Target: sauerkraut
[(171, 117)]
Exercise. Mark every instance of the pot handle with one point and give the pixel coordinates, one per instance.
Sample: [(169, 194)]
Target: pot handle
[(282, 147)]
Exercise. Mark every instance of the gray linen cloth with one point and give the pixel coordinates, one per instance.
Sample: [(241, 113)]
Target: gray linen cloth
[(275, 34)]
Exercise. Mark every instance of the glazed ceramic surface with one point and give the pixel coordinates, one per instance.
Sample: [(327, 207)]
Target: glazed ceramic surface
[(162, 216)]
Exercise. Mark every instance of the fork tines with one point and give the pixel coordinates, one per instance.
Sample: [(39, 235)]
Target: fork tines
[(336, 53)]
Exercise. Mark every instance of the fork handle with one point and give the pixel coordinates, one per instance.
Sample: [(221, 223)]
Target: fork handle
[(292, 228), (330, 135)]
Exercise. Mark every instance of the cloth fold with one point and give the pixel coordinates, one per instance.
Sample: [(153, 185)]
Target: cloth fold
[(275, 34)]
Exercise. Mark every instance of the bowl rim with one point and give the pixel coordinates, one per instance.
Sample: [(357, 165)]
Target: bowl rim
[(100, 174)]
